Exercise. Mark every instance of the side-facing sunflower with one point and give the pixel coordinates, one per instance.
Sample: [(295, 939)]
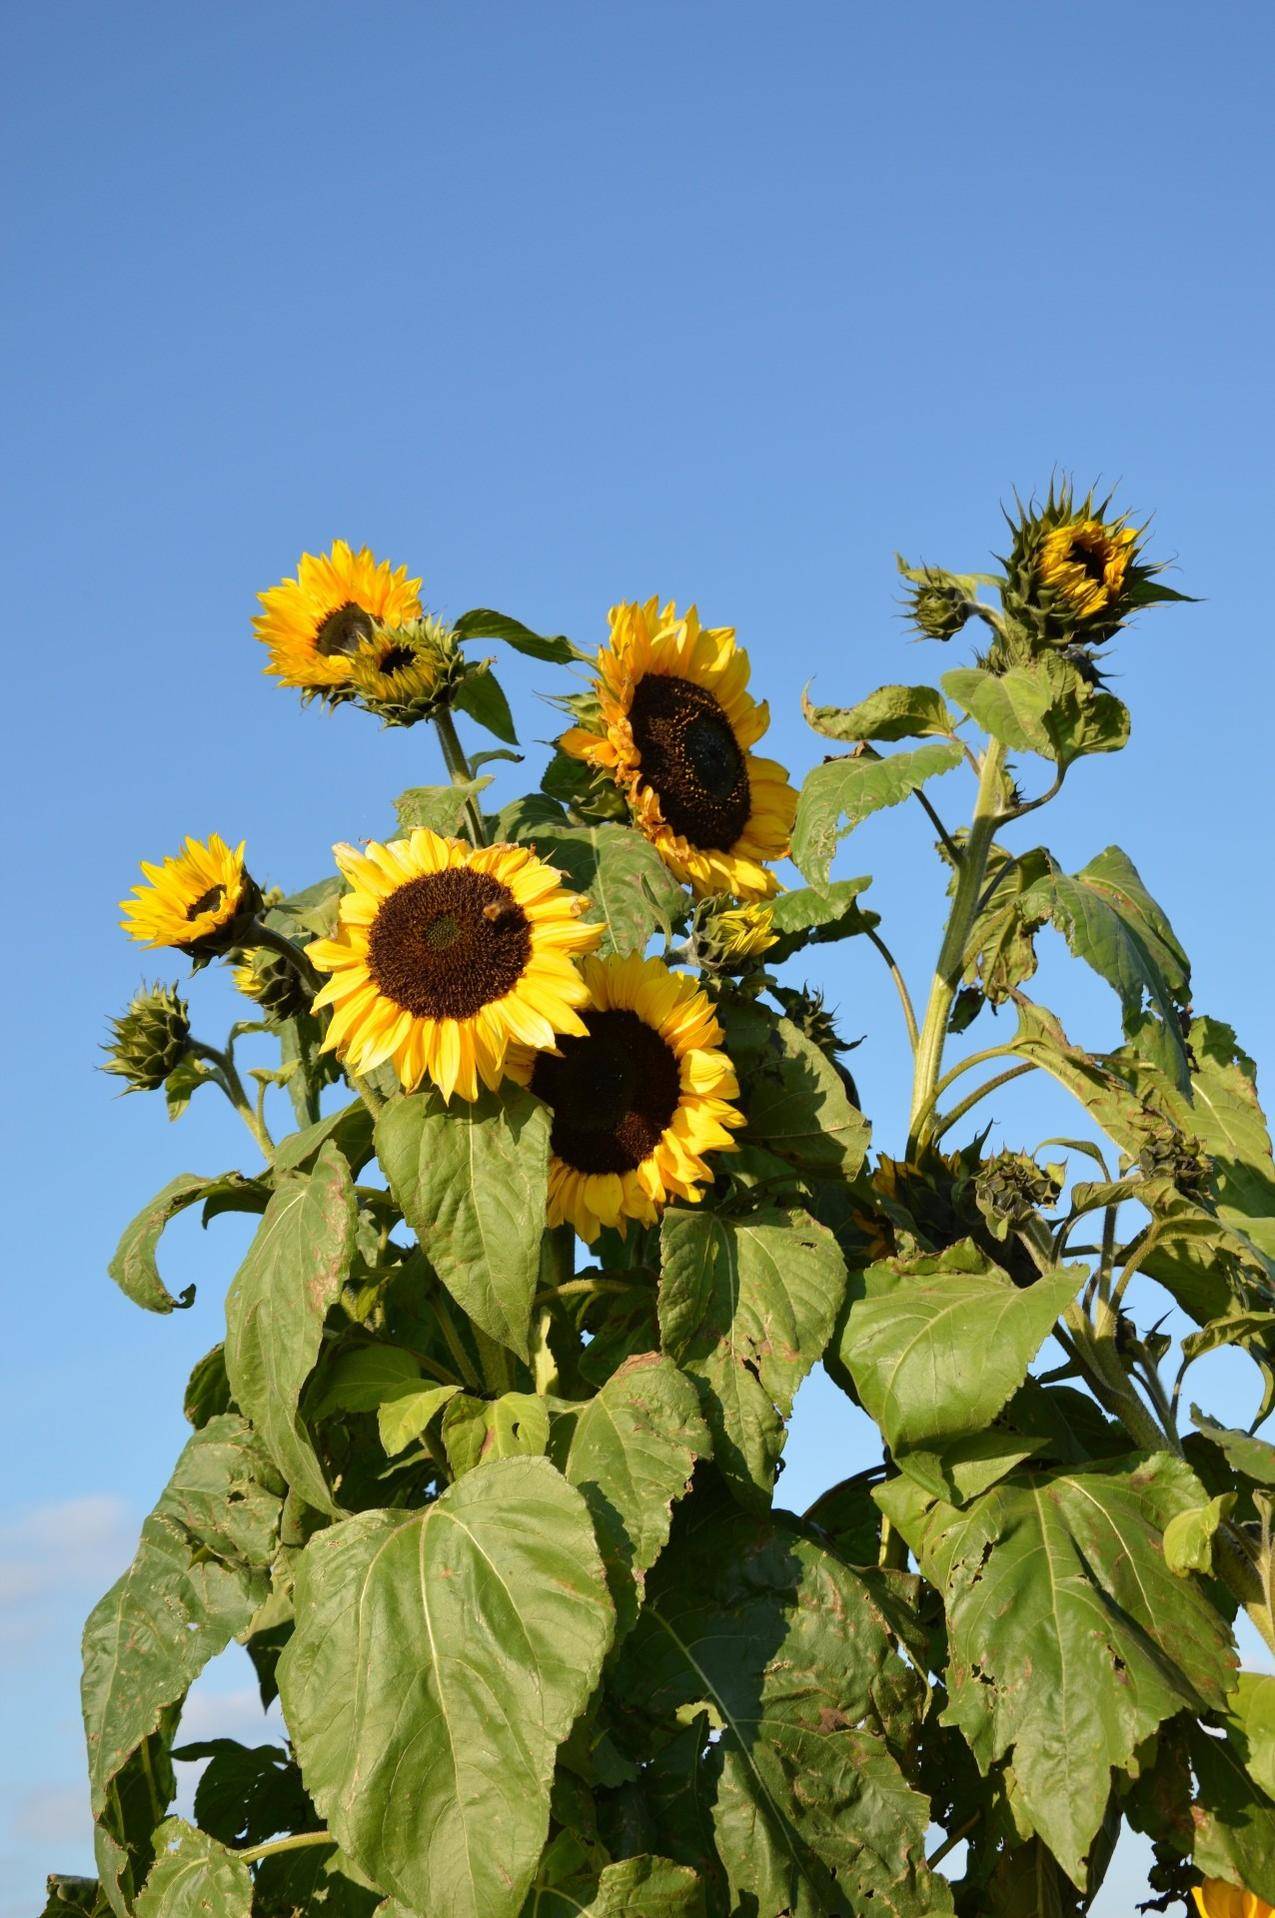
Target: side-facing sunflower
[(637, 1099), (676, 728), (201, 901), (444, 955), (313, 623)]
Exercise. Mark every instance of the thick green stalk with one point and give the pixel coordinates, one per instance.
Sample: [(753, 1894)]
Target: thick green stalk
[(460, 770), (951, 959)]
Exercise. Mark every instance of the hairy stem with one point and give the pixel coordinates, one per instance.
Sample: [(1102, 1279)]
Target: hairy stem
[(251, 1853), (233, 1086), (971, 1099), (459, 769), (951, 959), (900, 984), (264, 935)]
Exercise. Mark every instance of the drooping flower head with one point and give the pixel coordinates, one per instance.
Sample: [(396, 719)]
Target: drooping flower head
[(200, 901), (638, 1098), (444, 955), (406, 673), (273, 983), (149, 1039), (314, 623), (676, 726)]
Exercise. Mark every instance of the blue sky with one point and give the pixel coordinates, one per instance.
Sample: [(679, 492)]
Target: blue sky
[(563, 304)]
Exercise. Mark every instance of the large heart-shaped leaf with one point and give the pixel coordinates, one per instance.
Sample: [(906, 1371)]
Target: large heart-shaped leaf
[(841, 793), (439, 1659)]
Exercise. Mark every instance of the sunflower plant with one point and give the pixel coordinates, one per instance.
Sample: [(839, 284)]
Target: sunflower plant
[(486, 1472)]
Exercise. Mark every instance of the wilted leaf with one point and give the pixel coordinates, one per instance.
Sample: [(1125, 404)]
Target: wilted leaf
[(134, 1269), (193, 1874), (890, 713)]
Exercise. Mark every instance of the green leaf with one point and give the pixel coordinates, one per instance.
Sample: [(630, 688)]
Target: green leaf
[(1070, 1638), (134, 1269), (1189, 1535), (890, 713), (840, 794), (193, 1874), (1252, 1726), (207, 1389), (793, 1096), (1000, 951), (626, 882), (938, 1344), (71, 1897), (294, 1271), (516, 1425), (785, 1646), (1237, 1328), (482, 623), (1226, 1118), (1110, 920), (810, 916), (439, 809), (183, 1082), (471, 1181), (405, 1414), (746, 1308), (1232, 1817), (632, 1451), (1252, 1457), (647, 1887), (199, 1574), (1045, 706), (246, 1793), (477, 1628), (481, 695), (361, 1379), (349, 1129)]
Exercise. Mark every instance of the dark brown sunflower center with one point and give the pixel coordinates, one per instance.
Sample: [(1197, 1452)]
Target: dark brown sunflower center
[(343, 630), (612, 1093), (692, 759), (1091, 558), (447, 944), (396, 659), (207, 902)]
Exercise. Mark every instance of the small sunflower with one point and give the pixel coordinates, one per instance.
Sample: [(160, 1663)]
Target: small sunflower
[(732, 938), (445, 954), (313, 623), (201, 901), (1085, 563), (405, 673), (1216, 1899), (675, 730), (272, 983), (637, 1099)]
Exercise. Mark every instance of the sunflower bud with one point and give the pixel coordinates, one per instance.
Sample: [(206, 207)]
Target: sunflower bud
[(1010, 1189), (811, 1017), (405, 673), (271, 982), (937, 605), (1073, 574), (729, 938), (149, 1039)]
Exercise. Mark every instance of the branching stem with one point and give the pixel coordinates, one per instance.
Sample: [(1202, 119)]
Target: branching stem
[(460, 770)]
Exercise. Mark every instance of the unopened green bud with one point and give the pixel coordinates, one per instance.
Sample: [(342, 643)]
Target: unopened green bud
[(149, 1039)]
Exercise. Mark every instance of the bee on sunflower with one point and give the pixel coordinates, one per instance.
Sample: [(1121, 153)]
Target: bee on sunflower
[(445, 955), (638, 1097), (314, 625), (675, 730), (201, 901)]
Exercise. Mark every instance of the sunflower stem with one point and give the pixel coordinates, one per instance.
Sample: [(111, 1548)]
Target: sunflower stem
[(264, 935), (900, 984), (951, 959), (233, 1086), (971, 1099), (460, 771)]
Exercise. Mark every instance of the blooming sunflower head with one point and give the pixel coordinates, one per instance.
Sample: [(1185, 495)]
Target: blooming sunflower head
[(445, 955), (149, 1039), (1075, 571), (313, 624), (201, 901), (1216, 1899), (405, 673), (675, 730), (272, 983), (638, 1097)]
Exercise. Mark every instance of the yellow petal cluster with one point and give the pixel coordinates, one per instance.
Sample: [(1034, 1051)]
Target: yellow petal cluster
[(1216, 1899), (188, 897), (1085, 562), (312, 624)]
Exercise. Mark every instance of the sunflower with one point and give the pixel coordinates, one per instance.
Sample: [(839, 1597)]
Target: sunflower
[(314, 622), (1085, 562), (445, 954), (200, 901), (675, 728), (637, 1099), (1216, 1899), (405, 673)]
